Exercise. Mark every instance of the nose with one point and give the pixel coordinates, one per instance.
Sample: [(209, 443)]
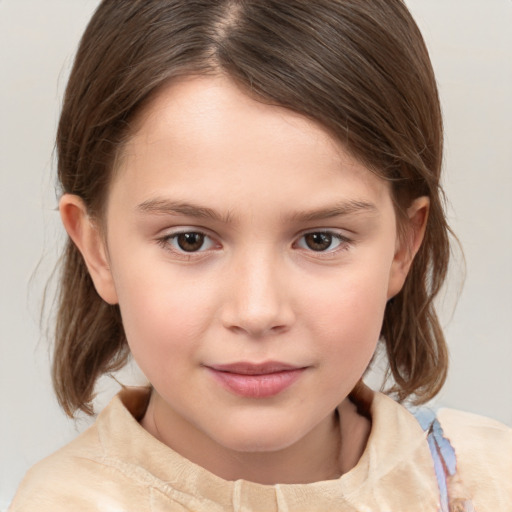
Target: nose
[(258, 297)]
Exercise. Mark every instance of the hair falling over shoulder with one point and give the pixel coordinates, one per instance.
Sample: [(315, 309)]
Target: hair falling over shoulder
[(361, 69)]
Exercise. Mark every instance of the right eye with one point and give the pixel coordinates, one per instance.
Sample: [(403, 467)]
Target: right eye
[(188, 242)]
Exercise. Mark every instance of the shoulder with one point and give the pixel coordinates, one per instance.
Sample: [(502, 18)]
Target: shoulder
[(484, 457), (478, 439), (63, 479), (82, 475)]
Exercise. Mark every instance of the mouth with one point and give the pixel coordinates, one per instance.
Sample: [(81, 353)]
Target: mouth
[(256, 380)]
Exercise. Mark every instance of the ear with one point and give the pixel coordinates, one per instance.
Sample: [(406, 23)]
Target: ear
[(408, 244), (88, 238)]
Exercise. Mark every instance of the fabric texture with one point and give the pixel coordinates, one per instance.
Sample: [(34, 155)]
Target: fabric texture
[(116, 466)]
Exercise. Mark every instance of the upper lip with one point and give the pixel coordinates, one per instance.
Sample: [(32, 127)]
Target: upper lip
[(247, 368)]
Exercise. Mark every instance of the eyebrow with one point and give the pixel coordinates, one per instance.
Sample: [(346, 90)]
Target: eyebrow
[(337, 210), (168, 207)]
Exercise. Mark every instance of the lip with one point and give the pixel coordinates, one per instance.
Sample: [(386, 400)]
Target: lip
[(256, 380)]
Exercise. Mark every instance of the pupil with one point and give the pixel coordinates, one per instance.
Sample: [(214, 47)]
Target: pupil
[(318, 241), (190, 242)]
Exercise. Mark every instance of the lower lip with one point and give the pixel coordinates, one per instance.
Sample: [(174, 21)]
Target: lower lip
[(257, 386)]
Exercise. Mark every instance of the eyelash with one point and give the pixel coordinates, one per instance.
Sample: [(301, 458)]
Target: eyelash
[(343, 242), (167, 240)]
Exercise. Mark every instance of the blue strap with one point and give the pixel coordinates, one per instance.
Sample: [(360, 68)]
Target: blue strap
[(442, 452)]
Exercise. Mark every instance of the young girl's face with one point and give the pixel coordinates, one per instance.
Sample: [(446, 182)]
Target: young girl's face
[(252, 258)]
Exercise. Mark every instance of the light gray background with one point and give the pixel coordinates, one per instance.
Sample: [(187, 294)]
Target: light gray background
[(471, 47)]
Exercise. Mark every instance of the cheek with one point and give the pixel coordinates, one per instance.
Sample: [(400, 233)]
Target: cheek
[(160, 313), (346, 318), (353, 298)]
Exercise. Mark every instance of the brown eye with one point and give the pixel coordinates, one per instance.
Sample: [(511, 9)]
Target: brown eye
[(318, 241), (190, 242), (323, 241)]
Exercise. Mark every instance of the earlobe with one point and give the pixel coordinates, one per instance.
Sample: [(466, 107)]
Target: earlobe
[(408, 244), (87, 237)]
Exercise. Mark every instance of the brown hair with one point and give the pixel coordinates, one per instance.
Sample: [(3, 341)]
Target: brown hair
[(359, 68)]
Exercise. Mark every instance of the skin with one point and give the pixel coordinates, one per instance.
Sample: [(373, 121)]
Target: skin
[(258, 181)]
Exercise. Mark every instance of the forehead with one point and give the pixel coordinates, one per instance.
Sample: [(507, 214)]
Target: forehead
[(203, 110), (204, 137)]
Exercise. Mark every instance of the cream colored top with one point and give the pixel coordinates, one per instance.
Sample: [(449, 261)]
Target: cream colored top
[(117, 466)]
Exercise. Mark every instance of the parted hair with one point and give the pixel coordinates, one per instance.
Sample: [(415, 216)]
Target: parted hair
[(360, 68)]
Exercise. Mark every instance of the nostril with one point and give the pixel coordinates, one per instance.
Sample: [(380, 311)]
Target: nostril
[(257, 324)]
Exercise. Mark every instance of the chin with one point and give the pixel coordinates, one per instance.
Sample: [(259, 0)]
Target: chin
[(250, 438)]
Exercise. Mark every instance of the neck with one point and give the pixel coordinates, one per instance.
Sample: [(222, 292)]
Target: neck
[(313, 458), (332, 448)]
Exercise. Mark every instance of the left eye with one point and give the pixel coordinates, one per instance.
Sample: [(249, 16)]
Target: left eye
[(320, 241), (189, 241)]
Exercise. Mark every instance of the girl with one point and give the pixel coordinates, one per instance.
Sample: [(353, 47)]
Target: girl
[(251, 191)]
